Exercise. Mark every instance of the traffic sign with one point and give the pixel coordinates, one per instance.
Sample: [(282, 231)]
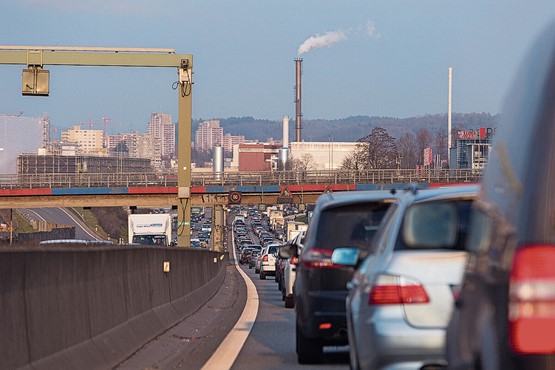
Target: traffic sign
[(234, 197)]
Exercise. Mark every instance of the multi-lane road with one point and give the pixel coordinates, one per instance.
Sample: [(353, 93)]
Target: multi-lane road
[(238, 329), (271, 342), (266, 340), (61, 216)]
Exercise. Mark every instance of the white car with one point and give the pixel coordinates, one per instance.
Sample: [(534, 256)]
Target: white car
[(289, 268), (267, 260)]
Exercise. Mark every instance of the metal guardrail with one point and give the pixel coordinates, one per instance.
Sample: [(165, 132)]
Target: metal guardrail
[(264, 178)]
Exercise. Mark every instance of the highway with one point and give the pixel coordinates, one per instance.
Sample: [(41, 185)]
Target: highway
[(63, 217), (271, 343), (266, 343)]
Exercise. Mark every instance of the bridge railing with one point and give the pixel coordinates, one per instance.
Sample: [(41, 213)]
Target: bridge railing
[(261, 178)]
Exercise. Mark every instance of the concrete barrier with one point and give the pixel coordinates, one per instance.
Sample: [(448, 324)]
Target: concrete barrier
[(90, 308)]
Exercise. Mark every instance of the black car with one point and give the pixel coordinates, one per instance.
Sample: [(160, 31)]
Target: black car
[(343, 219), (505, 313)]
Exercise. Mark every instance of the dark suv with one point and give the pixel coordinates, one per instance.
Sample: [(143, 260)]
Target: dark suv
[(505, 313), (344, 219)]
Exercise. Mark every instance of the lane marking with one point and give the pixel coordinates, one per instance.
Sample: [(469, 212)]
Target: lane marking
[(226, 354), (78, 223)]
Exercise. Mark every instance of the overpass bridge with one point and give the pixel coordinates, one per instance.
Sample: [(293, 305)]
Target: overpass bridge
[(161, 189)]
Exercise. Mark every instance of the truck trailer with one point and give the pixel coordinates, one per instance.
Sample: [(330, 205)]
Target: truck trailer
[(150, 229)]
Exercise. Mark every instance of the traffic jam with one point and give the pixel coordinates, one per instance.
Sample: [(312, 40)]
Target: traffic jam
[(378, 272)]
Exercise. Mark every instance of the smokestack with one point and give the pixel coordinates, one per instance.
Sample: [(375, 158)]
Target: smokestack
[(285, 139), (298, 113), (449, 103)]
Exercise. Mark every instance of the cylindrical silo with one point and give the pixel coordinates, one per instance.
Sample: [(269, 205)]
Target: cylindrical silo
[(218, 162), (283, 158)]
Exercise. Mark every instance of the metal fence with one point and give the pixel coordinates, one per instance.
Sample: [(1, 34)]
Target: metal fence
[(112, 180)]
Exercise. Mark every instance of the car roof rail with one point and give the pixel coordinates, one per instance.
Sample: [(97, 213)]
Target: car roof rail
[(413, 188)]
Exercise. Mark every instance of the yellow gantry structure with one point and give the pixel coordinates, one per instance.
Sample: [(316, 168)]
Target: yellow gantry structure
[(35, 58)]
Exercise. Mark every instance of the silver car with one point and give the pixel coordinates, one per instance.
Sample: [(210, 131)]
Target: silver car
[(295, 248), (401, 296)]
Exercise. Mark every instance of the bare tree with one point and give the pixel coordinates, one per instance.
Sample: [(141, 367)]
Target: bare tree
[(441, 144), (380, 148), (406, 146), (351, 162), (305, 163)]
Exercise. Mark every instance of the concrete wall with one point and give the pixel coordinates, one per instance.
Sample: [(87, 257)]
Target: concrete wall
[(74, 308)]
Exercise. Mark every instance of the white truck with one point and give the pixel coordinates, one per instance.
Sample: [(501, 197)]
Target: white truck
[(293, 228), (150, 229)]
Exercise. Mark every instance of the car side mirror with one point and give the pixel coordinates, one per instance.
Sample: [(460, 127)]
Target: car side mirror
[(286, 251), (348, 256)]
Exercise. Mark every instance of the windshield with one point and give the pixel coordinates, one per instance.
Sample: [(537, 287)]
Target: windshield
[(149, 239), (350, 225)]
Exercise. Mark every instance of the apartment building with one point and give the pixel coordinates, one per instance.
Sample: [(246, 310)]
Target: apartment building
[(162, 130), (89, 142), (208, 135)]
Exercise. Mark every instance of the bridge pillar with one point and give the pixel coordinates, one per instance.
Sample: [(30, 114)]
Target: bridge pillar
[(219, 228), (184, 133)]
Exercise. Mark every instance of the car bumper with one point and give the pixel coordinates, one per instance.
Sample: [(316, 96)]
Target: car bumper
[(323, 308), (388, 342), (268, 269)]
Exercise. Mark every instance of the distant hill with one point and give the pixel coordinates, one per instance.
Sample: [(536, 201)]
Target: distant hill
[(351, 128)]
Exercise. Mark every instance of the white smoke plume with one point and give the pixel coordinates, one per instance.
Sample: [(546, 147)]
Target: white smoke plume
[(319, 41), (370, 31)]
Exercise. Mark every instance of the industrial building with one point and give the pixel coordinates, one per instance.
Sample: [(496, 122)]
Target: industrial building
[(19, 134), (472, 148), (65, 164)]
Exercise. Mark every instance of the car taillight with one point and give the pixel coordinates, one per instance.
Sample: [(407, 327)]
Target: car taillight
[(265, 258), (293, 261), (393, 289), (318, 258), (532, 300)]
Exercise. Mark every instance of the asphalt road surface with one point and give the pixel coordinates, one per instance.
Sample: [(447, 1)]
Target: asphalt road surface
[(271, 343), (64, 217)]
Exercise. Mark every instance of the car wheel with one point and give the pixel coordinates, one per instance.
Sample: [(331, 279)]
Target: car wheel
[(289, 302), (262, 275), (309, 351)]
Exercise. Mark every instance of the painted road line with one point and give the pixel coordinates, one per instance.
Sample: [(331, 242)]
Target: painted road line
[(227, 352)]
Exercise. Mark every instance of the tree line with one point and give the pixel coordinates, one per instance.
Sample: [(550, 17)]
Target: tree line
[(379, 150)]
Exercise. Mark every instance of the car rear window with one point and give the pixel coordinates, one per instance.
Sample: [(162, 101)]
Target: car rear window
[(352, 225), (435, 225)]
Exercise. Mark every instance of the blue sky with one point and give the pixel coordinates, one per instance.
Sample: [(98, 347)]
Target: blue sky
[(363, 57)]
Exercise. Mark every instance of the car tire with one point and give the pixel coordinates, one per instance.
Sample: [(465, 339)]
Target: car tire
[(309, 351), (262, 275), (289, 302)]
